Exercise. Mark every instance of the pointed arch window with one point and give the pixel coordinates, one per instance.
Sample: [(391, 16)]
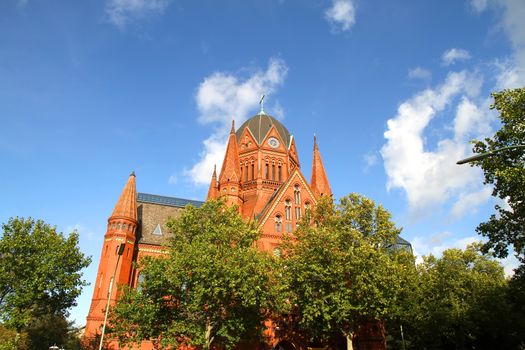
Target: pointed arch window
[(267, 171), (253, 170), (297, 194), (279, 173), (288, 209), (278, 223), (297, 213)]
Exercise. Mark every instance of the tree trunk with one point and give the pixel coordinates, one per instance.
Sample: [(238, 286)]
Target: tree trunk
[(349, 345), (208, 336)]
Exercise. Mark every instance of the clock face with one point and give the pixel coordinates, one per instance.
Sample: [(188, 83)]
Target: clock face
[(273, 142)]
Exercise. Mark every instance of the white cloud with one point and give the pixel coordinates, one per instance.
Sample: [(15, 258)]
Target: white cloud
[(512, 72), (173, 179), (451, 56), (440, 242), (422, 246), (432, 177), (478, 5), (223, 96), (121, 12), (341, 15), (22, 3), (472, 119), (469, 202), (370, 160), (419, 73)]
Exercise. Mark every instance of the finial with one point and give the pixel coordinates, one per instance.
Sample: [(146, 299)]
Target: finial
[(261, 102), (132, 173)]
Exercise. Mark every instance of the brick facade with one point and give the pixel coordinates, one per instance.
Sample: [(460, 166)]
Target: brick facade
[(260, 174)]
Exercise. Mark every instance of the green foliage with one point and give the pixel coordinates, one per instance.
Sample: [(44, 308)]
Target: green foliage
[(39, 272), (458, 301), (506, 171), (340, 270), (214, 287)]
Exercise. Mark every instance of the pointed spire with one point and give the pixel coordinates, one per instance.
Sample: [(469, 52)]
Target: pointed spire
[(213, 192), (231, 168), (126, 206), (261, 102), (319, 181)]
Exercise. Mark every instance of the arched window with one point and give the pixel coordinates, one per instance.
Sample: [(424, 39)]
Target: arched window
[(288, 209), (279, 173), (267, 171), (278, 223), (253, 171), (297, 194), (273, 171), (246, 172), (297, 213)]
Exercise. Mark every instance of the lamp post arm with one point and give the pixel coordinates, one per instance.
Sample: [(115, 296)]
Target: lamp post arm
[(488, 154), (119, 252)]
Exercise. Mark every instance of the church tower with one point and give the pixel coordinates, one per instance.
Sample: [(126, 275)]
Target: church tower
[(121, 230), (261, 174)]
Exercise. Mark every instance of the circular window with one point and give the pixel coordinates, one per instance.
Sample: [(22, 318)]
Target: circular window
[(273, 142)]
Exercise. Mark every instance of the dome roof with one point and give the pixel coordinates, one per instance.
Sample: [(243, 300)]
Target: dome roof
[(259, 126)]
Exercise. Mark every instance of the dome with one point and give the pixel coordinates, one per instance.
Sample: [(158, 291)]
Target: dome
[(260, 124)]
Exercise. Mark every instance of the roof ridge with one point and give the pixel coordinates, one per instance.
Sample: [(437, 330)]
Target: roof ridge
[(170, 201)]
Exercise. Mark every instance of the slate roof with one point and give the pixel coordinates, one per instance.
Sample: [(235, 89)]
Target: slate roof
[(259, 126), (169, 201)]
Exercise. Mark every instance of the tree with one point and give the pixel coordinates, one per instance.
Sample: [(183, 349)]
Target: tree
[(213, 288), (459, 302), (339, 270), (506, 171), (40, 272)]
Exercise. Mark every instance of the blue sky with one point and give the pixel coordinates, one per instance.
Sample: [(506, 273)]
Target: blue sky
[(92, 90)]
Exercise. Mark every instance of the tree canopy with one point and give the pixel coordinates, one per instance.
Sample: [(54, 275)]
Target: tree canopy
[(339, 269), (213, 288), (505, 170), (40, 271), (459, 301)]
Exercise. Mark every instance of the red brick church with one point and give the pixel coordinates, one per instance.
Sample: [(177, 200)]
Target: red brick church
[(261, 174)]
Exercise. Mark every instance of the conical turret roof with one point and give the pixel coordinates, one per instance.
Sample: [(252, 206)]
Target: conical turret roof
[(231, 168), (126, 206), (213, 192), (319, 182)]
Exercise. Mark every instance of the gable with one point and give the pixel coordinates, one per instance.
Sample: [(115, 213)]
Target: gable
[(277, 201), (272, 133), (247, 142)]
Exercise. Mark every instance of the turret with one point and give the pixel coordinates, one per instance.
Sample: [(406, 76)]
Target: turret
[(121, 230), (230, 176), (319, 182), (213, 192)]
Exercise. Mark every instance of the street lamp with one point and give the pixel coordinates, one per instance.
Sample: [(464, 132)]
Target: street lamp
[(488, 154), (120, 251)]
